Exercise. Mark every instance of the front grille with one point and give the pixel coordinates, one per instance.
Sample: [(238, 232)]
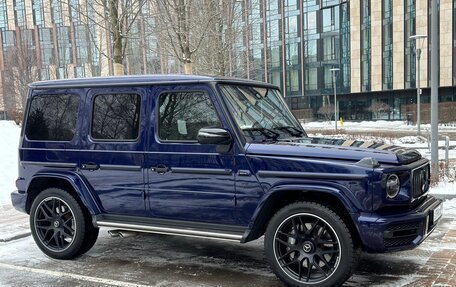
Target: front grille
[(401, 234), (420, 180)]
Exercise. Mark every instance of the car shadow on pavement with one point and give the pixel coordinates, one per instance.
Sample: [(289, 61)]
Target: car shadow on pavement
[(217, 263)]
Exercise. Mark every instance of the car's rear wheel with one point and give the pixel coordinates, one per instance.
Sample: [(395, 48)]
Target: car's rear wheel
[(308, 244), (59, 225)]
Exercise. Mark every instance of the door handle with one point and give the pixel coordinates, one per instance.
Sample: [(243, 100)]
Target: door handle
[(160, 169), (90, 166)]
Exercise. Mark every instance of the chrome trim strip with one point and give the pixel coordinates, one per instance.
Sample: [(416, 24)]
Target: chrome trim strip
[(49, 164), (170, 231), (120, 167), (121, 151), (217, 171), (310, 175), (194, 192)]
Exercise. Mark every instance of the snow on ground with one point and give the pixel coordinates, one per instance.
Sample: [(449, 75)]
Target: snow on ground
[(444, 187), (376, 125), (9, 143), (449, 207)]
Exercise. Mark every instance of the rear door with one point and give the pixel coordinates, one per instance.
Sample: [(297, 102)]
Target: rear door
[(187, 180), (112, 148)]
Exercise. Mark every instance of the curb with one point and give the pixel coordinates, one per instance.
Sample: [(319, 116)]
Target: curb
[(444, 196), (15, 237)]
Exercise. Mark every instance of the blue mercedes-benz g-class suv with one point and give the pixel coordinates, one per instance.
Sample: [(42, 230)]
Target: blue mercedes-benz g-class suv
[(214, 158)]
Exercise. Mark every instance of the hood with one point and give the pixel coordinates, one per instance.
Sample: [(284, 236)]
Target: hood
[(339, 149)]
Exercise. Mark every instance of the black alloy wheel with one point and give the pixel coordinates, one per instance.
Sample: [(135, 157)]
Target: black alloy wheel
[(308, 244), (61, 227), (307, 248), (55, 224)]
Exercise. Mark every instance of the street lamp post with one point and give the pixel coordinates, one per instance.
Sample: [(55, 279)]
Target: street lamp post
[(419, 39), (434, 92), (333, 71)]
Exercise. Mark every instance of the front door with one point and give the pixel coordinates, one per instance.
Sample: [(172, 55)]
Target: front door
[(112, 149), (187, 180)]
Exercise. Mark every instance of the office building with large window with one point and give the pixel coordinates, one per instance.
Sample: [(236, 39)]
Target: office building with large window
[(294, 44), (369, 42)]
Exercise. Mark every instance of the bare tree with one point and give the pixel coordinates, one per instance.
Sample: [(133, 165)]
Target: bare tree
[(214, 56), (20, 70), (379, 108), (203, 35), (114, 19), (182, 26), (326, 111)]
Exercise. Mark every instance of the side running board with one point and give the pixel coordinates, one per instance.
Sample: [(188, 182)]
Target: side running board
[(160, 227)]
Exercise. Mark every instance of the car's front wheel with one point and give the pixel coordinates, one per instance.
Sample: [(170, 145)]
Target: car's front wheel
[(60, 227), (308, 244)]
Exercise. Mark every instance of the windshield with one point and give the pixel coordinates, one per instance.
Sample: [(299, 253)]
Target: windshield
[(261, 113)]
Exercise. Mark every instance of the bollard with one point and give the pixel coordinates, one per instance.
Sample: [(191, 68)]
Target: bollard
[(447, 155)]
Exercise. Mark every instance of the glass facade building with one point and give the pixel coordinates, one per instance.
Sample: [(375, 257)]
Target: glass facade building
[(387, 44), (293, 44)]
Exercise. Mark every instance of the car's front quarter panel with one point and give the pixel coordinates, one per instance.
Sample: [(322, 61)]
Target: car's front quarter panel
[(350, 181)]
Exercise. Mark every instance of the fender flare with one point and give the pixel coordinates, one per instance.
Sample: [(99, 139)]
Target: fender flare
[(256, 220), (75, 180)]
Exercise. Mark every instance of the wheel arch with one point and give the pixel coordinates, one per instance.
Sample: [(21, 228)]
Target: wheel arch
[(72, 183), (282, 196)]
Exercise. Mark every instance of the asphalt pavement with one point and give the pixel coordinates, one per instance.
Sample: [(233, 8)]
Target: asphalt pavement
[(161, 260)]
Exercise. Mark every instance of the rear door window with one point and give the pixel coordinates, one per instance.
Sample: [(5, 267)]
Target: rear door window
[(116, 117), (52, 117)]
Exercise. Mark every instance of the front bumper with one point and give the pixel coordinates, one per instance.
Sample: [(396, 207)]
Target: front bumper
[(19, 200), (399, 231)]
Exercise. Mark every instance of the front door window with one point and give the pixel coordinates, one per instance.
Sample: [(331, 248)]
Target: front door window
[(183, 114)]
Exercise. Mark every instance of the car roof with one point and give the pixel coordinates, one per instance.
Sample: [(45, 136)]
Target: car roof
[(140, 80)]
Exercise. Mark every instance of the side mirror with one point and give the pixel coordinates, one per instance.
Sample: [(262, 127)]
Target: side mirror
[(215, 136)]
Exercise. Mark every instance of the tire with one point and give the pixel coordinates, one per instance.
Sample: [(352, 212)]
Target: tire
[(90, 240), (307, 234), (59, 225)]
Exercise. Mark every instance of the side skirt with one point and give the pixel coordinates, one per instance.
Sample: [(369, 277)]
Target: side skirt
[(171, 227)]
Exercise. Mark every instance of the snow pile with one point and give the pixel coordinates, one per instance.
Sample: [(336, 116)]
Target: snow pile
[(369, 125), (449, 208), (409, 140), (9, 143), (444, 187)]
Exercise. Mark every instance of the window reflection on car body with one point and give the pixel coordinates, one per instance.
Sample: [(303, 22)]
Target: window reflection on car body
[(295, 132), (268, 133)]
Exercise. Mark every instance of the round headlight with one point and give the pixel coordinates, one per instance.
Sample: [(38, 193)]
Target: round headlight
[(393, 186)]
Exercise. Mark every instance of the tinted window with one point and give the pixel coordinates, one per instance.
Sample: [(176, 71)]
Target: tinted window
[(116, 117), (52, 117), (183, 114)]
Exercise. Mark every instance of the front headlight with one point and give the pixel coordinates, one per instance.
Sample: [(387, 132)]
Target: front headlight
[(393, 186)]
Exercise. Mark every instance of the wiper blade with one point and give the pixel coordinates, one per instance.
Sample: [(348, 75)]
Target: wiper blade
[(291, 130), (268, 133)]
